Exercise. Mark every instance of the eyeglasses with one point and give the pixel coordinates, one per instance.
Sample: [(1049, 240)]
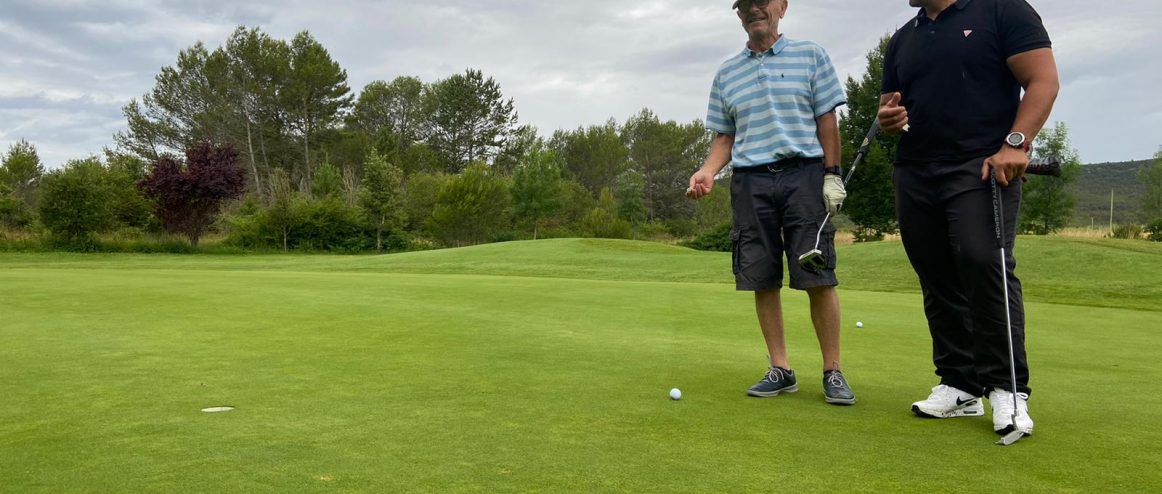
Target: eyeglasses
[(745, 5)]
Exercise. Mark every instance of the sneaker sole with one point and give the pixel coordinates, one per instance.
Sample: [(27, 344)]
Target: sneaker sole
[(839, 401), (768, 394), (1009, 428), (959, 412)]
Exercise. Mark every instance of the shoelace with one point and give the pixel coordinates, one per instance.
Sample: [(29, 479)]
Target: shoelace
[(835, 380), (775, 374)]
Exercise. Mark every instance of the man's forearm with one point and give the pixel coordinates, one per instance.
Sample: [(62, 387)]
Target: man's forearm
[(828, 132), (1035, 108), (721, 148)]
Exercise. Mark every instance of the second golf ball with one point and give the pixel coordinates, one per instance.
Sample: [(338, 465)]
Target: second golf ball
[(859, 324), (675, 394)]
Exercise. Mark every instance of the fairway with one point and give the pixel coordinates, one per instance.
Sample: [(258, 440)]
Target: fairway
[(545, 366)]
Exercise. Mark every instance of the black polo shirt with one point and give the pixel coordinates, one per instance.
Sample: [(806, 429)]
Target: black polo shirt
[(953, 77)]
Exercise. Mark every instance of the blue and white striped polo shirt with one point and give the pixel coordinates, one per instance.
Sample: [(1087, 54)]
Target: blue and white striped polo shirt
[(769, 101)]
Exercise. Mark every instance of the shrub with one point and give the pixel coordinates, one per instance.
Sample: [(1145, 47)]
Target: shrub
[(716, 240), (1154, 229), (1131, 232)]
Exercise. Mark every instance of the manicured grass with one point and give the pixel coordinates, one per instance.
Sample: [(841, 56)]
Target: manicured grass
[(543, 366)]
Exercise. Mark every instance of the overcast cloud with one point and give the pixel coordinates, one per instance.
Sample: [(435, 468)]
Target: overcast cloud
[(68, 66)]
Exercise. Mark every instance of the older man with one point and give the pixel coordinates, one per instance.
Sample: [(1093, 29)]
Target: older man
[(773, 109), (953, 77)]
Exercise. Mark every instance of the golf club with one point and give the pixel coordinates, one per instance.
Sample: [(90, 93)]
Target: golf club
[(814, 260), (1042, 166)]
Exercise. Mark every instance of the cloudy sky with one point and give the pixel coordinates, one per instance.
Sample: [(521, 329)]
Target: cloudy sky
[(68, 66)]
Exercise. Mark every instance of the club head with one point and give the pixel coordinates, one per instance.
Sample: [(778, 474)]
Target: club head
[(1010, 438), (813, 261)]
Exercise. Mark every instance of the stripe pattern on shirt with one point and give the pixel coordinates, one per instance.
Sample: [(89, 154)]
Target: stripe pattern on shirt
[(769, 101)]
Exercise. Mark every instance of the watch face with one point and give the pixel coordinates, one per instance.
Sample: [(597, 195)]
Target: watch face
[(1016, 139)]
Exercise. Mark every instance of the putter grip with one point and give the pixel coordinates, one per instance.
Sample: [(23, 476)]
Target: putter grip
[(1048, 166)]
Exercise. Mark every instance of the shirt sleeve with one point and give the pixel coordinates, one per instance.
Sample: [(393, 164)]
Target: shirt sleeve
[(890, 83), (1021, 28), (718, 118), (826, 91)]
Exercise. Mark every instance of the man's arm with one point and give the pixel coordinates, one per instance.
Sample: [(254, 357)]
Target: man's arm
[(702, 182), (1036, 71), (828, 132)]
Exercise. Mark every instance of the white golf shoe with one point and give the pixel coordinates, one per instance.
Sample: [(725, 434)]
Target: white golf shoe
[(947, 402), (1002, 403)]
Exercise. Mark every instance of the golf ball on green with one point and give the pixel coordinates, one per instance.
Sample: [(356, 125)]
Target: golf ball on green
[(675, 394), (859, 324)]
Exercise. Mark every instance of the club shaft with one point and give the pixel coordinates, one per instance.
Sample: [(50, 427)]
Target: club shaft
[(999, 219)]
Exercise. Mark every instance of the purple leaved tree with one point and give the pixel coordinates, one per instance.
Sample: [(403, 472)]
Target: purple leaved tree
[(189, 196)]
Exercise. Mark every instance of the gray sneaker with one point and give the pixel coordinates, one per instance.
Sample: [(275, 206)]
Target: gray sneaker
[(835, 389), (777, 380)]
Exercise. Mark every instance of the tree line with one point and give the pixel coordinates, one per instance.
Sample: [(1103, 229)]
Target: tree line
[(263, 140)]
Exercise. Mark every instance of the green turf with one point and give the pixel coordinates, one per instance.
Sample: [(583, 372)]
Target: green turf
[(436, 371)]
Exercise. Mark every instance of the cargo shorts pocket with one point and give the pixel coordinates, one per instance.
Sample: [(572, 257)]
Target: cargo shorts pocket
[(736, 250)]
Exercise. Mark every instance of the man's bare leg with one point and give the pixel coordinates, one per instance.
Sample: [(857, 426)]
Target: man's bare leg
[(769, 306), (825, 317)]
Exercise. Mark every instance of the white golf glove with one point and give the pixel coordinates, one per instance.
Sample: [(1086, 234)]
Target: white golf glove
[(833, 193)]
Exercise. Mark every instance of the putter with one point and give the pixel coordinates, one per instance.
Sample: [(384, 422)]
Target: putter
[(999, 221), (814, 260), (1048, 166)]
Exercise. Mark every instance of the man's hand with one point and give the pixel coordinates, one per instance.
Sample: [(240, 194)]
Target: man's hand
[(1010, 164), (893, 117), (833, 193), (701, 183)]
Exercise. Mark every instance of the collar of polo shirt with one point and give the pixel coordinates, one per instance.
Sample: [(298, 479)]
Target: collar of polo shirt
[(774, 50), (922, 14)]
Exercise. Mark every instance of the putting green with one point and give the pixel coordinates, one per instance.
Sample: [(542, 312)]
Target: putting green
[(392, 373)]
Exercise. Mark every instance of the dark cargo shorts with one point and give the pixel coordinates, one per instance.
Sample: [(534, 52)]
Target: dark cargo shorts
[(778, 209)]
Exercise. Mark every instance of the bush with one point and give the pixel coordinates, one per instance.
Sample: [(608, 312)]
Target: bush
[(716, 240), (76, 202), (1154, 229), (323, 225), (1131, 232), (14, 213)]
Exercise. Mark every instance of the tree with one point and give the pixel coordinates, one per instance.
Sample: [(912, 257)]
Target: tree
[(258, 66), (871, 201), (421, 193), (316, 95), (382, 196), (328, 182), (536, 188), (631, 198), (471, 206), (283, 212), (1151, 176), (395, 114), (602, 221), (179, 111), (131, 208), (471, 120), (188, 198), (21, 171), (665, 153), (77, 202), (519, 149), (1046, 203), (593, 156)]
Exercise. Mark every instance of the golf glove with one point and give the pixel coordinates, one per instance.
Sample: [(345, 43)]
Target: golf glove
[(833, 193)]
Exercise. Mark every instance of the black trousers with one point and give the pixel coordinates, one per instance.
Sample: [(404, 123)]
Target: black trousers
[(946, 222)]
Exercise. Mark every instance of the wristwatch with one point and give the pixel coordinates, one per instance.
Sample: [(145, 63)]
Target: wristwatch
[(1017, 140), (833, 170)]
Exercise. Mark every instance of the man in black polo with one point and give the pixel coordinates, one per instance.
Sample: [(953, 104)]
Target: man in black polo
[(952, 84)]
